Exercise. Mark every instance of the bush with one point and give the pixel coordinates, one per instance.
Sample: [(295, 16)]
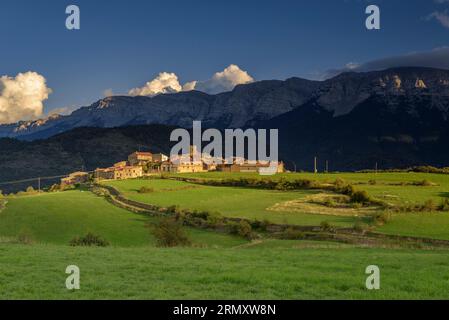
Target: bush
[(381, 218), (326, 226), (429, 205), (372, 182), (424, 183), (146, 190), (444, 206), (245, 230), (173, 209), (169, 233), (260, 225), (360, 196), (89, 240), (292, 234)]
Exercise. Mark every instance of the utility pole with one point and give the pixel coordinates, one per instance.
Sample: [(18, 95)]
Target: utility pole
[(327, 166), (376, 167), (315, 165), (39, 184)]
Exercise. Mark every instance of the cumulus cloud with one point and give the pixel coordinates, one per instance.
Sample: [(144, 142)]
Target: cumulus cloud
[(108, 93), (437, 58), (225, 80), (165, 82), (22, 97)]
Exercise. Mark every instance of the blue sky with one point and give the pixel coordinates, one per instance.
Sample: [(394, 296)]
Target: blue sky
[(123, 44)]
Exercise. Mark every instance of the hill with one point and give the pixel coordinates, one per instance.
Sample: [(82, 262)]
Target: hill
[(78, 149)]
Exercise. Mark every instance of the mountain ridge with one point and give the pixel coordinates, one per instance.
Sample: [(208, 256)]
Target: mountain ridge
[(245, 105)]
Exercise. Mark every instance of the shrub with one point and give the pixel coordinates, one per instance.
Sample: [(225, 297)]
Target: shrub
[(360, 196), (260, 225), (424, 183), (292, 234), (173, 209), (444, 206), (326, 226), (245, 230), (169, 233), (89, 240), (372, 182), (146, 190), (381, 218), (429, 205)]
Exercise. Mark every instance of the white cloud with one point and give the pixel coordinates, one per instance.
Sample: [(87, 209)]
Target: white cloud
[(108, 93), (21, 97), (165, 82), (225, 80), (189, 86), (441, 17)]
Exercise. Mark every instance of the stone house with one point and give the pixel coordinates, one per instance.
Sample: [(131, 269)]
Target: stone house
[(74, 178), (140, 158), (119, 173)]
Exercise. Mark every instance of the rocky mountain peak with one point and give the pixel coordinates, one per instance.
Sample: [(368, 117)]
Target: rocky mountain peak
[(247, 104)]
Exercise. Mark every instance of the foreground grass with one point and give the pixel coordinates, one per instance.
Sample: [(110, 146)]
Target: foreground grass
[(279, 270), (56, 218), (230, 202)]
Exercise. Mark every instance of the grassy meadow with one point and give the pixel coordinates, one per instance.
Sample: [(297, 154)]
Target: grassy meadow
[(229, 201), (276, 271), (219, 265), (392, 188), (57, 218)]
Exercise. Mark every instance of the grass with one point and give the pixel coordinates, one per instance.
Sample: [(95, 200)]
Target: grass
[(268, 272), (229, 201), (387, 185), (427, 225), (219, 266), (56, 218)]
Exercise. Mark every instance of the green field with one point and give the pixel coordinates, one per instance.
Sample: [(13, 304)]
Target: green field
[(246, 273), (385, 187), (254, 204), (231, 202), (56, 218), (218, 265)]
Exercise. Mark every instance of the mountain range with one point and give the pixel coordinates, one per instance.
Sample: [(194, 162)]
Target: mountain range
[(396, 117)]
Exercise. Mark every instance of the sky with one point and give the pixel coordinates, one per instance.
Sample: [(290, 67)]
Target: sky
[(123, 45)]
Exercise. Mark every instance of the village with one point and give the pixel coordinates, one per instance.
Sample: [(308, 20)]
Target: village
[(141, 164)]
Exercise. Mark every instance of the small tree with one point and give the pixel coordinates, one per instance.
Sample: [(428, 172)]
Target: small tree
[(245, 229), (169, 233)]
